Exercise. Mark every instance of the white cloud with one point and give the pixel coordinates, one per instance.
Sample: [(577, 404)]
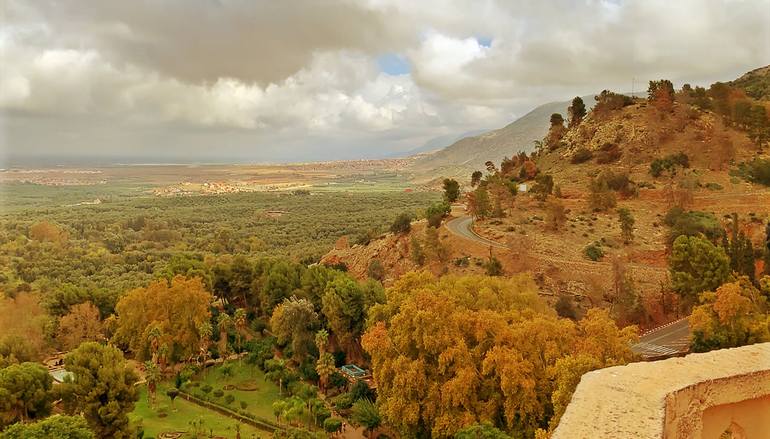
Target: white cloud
[(267, 74)]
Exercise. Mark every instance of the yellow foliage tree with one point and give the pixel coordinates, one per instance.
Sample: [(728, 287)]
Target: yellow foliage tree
[(736, 314), (174, 309), (456, 351), (45, 231), (23, 323)]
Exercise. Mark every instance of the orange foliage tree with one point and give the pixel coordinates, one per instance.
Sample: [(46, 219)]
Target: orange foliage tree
[(174, 309), (81, 324)]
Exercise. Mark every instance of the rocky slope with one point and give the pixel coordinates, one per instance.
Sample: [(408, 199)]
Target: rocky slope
[(625, 141)]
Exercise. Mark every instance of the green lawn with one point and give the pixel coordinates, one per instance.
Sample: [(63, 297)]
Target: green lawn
[(178, 420), (260, 401)]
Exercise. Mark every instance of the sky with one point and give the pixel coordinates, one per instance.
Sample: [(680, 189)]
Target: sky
[(305, 80)]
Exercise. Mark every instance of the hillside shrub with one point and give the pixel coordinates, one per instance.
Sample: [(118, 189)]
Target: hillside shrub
[(332, 425), (437, 212), (608, 101), (756, 171), (581, 155), (669, 163), (402, 223), (493, 267), (593, 251), (692, 223), (218, 393), (565, 307), (343, 401), (608, 153), (229, 399)]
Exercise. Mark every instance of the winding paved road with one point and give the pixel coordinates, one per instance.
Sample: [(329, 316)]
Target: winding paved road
[(666, 341), (462, 227)]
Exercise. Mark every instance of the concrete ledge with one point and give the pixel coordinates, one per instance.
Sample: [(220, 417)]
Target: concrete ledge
[(696, 396)]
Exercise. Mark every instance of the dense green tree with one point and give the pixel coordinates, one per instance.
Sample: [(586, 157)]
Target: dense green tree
[(366, 414), (279, 280), (476, 178), (241, 280), (485, 430), (543, 185), (102, 389), (314, 281), (187, 265), (402, 223), (332, 425), (295, 321), (627, 221), (693, 223), (25, 393), (345, 305), (451, 190), (55, 427), (436, 212), (740, 250), (697, 265), (576, 111), (555, 132)]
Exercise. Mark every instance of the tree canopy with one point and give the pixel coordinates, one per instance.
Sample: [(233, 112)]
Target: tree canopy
[(25, 393), (452, 352), (697, 265), (174, 310), (55, 427), (102, 389), (735, 314)]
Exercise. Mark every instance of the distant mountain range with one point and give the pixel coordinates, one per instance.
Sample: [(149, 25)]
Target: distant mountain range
[(471, 152)]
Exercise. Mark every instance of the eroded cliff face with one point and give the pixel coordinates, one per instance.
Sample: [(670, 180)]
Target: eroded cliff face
[(699, 396)]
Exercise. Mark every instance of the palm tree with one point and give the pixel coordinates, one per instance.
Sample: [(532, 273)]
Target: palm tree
[(366, 414), (152, 376), (154, 338), (204, 335), (224, 323), (239, 319), (325, 364)]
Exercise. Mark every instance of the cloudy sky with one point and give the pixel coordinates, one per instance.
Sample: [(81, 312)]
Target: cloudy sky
[(297, 80)]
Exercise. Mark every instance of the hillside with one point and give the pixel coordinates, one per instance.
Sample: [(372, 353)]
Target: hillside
[(551, 232), (755, 83), (470, 153)]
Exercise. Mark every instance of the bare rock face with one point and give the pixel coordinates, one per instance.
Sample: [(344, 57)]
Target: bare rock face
[(342, 243), (697, 396)]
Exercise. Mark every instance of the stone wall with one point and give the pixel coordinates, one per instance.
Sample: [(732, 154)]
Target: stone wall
[(698, 396)]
